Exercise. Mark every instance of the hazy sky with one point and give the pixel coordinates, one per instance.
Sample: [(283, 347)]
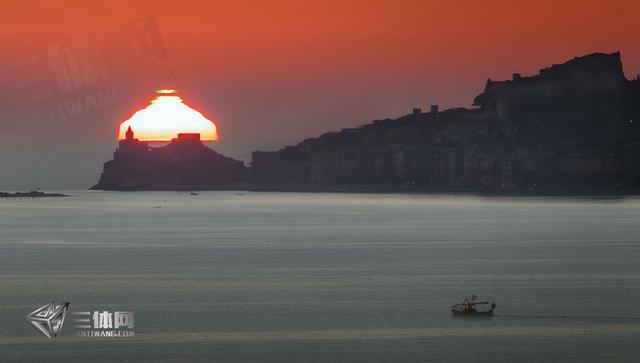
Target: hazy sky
[(270, 72)]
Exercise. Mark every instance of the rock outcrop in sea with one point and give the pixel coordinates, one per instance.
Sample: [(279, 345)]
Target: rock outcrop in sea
[(184, 164), (31, 194)]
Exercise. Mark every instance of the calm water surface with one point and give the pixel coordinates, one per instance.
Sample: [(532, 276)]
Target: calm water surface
[(324, 277)]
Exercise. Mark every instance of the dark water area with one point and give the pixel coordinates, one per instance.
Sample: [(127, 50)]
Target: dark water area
[(223, 276)]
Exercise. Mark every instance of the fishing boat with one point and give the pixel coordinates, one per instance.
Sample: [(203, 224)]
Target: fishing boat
[(472, 307)]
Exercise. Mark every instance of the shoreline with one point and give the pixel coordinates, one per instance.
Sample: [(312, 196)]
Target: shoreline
[(546, 192)]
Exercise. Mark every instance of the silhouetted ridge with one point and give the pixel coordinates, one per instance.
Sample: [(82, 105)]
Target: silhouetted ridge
[(570, 126)]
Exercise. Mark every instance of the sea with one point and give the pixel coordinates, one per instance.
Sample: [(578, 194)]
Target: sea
[(296, 277)]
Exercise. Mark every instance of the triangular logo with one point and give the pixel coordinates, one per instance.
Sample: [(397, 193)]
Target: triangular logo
[(48, 319)]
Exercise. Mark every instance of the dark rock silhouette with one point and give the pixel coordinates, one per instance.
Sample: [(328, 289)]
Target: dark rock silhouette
[(184, 164), (31, 194)]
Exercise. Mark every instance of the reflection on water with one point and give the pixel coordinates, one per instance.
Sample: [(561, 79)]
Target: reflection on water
[(286, 276)]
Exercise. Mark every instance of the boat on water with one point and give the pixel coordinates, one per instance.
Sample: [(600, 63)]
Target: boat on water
[(472, 307)]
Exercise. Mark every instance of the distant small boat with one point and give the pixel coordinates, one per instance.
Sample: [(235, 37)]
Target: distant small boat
[(241, 194), (193, 193), (471, 307)]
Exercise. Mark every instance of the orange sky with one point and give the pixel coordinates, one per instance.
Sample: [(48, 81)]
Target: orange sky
[(285, 70)]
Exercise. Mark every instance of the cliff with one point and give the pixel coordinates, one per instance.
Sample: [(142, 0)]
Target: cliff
[(184, 164)]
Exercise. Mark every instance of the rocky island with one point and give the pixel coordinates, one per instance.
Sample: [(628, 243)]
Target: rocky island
[(573, 126), (184, 164)]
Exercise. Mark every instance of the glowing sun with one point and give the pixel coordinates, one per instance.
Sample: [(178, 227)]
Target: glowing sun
[(165, 118)]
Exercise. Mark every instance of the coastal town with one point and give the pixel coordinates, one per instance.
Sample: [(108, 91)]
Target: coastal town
[(569, 127)]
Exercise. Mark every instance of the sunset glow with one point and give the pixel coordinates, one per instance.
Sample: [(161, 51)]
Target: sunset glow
[(165, 118)]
